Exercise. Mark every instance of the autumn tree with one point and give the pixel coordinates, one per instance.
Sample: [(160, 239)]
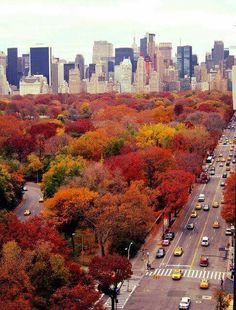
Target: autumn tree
[(109, 270), (175, 188), (228, 210), (78, 297), (67, 206), (61, 167)]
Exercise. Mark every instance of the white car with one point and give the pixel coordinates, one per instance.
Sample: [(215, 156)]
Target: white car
[(205, 241), (185, 303), (201, 198)]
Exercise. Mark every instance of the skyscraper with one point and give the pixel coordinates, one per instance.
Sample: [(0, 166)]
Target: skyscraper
[(3, 60), (140, 77), (144, 47), (79, 63), (102, 49), (12, 66), (40, 62), (74, 81), (123, 53), (67, 68), (184, 61), (25, 64), (218, 52), (57, 74)]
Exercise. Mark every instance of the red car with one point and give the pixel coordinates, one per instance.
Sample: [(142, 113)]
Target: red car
[(165, 242)]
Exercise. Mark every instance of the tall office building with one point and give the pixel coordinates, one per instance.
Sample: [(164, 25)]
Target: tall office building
[(67, 68), (234, 86), (218, 52), (123, 53), (79, 63), (165, 51), (123, 75), (102, 49), (135, 48), (74, 81), (57, 74), (12, 66), (144, 47), (25, 64), (40, 62), (3, 60), (140, 77), (4, 85), (184, 61)]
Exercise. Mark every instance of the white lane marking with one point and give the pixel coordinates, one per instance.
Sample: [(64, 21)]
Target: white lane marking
[(215, 275)]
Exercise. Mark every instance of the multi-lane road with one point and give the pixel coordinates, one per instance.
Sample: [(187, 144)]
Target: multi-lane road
[(30, 202), (156, 289)]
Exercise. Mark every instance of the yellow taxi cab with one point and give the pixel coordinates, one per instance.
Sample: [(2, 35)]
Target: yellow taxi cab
[(216, 224), (204, 283), (193, 214), (228, 158), (220, 155), (227, 168), (218, 159), (178, 251), (215, 204), (222, 159), (177, 274), (198, 206)]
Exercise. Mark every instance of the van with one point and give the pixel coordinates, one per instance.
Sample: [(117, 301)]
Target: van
[(205, 241), (201, 198)]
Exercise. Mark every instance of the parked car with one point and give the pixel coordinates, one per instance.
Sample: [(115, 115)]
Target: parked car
[(160, 253), (165, 242), (228, 232), (170, 235)]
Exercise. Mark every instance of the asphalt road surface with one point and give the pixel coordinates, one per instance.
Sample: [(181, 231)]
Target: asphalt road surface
[(30, 202), (156, 290)]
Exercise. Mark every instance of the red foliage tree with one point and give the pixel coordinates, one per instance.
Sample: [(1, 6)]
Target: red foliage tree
[(228, 210), (79, 297), (79, 127)]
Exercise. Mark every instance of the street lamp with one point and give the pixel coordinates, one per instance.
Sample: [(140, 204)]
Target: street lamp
[(128, 259)]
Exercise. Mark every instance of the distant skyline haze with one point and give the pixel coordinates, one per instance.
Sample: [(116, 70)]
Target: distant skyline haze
[(70, 27)]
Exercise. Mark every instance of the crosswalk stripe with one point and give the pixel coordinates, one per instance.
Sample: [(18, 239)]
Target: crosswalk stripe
[(188, 273), (184, 273), (215, 275), (159, 271), (162, 272), (200, 274), (169, 273), (204, 273), (155, 272), (212, 274), (208, 273), (196, 276)]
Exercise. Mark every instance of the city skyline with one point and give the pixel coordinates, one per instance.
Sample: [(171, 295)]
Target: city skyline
[(83, 22)]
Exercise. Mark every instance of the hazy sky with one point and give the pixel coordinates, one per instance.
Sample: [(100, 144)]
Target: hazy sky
[(71, 26)]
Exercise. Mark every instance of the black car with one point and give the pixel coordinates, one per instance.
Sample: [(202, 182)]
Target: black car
[(224, 175), (170, 235), (206, 207), (160, 253), (190, 226)]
